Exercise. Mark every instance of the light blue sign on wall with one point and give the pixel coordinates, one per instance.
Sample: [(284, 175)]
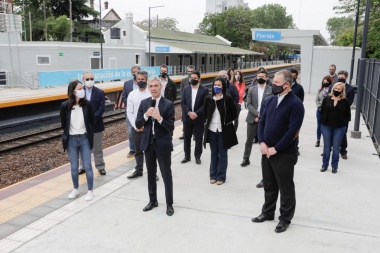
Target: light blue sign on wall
[(57, 78), (267, 35), (162, 49)]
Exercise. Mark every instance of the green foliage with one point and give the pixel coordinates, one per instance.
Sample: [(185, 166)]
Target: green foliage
[(336, 26), (58, 28), (164, 23)]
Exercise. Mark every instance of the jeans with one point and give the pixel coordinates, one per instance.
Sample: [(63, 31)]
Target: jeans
[(78, 144), (129, 128), (319, 132), (219, 157), (332, 137)]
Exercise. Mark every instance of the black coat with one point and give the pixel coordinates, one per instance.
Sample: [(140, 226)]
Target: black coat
[(98, 104), (88, 114), (170, 90), (228, 114)]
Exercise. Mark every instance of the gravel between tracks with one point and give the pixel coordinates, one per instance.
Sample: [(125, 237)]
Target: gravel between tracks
[(32, 161)]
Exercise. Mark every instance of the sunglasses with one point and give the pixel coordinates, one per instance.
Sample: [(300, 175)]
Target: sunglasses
[(89, 79)]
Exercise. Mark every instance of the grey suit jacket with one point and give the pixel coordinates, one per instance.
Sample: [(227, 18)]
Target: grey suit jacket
[(253, 101)]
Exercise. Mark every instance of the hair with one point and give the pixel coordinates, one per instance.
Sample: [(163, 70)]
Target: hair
[(286, 74), (224, 85), (262, 69), (229, 75), (164, 66), (343, 94), (223, 72), (293, 70), (142, 72), (343, 72), (71, 96), (86, 72), (241, 80), (136, 67), (327, 78), (154, 78), (263, 72), (333, 65), (190, 67), (197, 73)]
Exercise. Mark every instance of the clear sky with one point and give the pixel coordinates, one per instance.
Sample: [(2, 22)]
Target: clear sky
[(307, 14)]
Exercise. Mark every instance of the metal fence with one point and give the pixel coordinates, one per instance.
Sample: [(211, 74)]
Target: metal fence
[(371, 99)]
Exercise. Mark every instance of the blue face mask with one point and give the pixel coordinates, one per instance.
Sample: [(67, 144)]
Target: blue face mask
[(218, 89)]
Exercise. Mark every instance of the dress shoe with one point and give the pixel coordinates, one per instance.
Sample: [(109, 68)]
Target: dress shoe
[(317, 144), (102, 172), (298, 153), (281, 227), (260, 185), (169, 210), (261, 218), (135, 174), (157, 178), (245, 163), (81, 171), (323, 169), (198, 161), (212, 181), (131, 154), (255, 141), (334, 170), (186, 159), (182, 137), (344, 157), (150, 206)]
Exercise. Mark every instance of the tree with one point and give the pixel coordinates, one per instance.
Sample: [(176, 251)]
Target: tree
[(273, 16), (165, 23), (58, 28), (335, 26)]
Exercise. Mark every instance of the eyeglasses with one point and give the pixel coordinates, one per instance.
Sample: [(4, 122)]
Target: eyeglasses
[(88, 79)]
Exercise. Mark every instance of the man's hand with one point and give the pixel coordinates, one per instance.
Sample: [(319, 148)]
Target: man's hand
[(271, 151), (139, 130), (149, 112), (257, 119), (263, 148), (193, 115), (156, 114)]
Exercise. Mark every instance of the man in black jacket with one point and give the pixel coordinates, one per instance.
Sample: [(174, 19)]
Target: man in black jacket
[(297, 89), (169, 89)]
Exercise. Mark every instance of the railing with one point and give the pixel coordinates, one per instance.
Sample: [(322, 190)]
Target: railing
[(8, 79), (371, 99)]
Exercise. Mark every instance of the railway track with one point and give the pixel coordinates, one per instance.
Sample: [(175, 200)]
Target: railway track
[(31, 139)]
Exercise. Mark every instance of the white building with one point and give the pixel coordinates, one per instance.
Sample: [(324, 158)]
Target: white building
[(218, 6)]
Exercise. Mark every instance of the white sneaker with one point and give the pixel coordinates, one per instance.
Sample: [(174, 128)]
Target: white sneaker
[(89, 196), (73, 194)]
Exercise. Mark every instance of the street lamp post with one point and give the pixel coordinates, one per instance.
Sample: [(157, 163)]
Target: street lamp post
[(149, 31), (101, 34)]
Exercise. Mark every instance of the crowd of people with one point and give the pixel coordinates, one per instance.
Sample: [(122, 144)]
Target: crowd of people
[(275, 113)]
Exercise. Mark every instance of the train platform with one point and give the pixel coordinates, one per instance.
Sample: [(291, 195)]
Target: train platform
[(334, 213)]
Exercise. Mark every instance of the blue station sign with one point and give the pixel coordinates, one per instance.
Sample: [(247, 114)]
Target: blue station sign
[(162, 49), (267, 35)]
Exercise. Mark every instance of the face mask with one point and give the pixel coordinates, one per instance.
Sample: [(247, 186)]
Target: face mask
[(163, 74), (332, 72), (89, 84), (189, 74), (218, 89), (326, 85), (194, 82), (336, 93), (141, 84), (79, 93), (277, 89), (134, 77), (237, 77), (341, 80), (261, 80)]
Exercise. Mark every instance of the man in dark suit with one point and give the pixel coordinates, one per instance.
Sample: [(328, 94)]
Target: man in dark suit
[(184, 83), (97, 99), (297, 89), (255, 97), (192, 110), (157, 118), (169, 89), (350, 95), (129, 86)]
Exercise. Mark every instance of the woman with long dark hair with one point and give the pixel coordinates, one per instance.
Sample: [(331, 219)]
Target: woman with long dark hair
[(240, 86), (231, 75), (323, 91), (220, 112), (77, 120)]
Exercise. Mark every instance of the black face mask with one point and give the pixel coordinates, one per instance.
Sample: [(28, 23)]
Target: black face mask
[(341, 80), (164, 74), (194, 82), (134, 77), (141, 84), (261, 80), (336, 93), (326, 85), (332, 72), (277, 89)]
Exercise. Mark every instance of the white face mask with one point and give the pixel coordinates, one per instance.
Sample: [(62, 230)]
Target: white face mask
[(79, 93), (89, 83)]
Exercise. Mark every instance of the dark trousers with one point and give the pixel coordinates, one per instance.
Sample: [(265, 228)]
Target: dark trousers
[(236, 121), (190, 128), (219, 156), (251, 134), (278, 173), (152, 156), (139, 154), (343, 144)]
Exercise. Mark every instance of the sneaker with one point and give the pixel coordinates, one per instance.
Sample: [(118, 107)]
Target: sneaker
[(74, 193), (131, 154), (89, 196)]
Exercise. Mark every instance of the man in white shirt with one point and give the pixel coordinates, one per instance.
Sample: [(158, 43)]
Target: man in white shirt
[(133, 103)]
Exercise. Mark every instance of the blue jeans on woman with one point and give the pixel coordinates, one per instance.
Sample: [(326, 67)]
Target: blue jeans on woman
[(78, 144), (219, 157), (319, 132), (332, 137)]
